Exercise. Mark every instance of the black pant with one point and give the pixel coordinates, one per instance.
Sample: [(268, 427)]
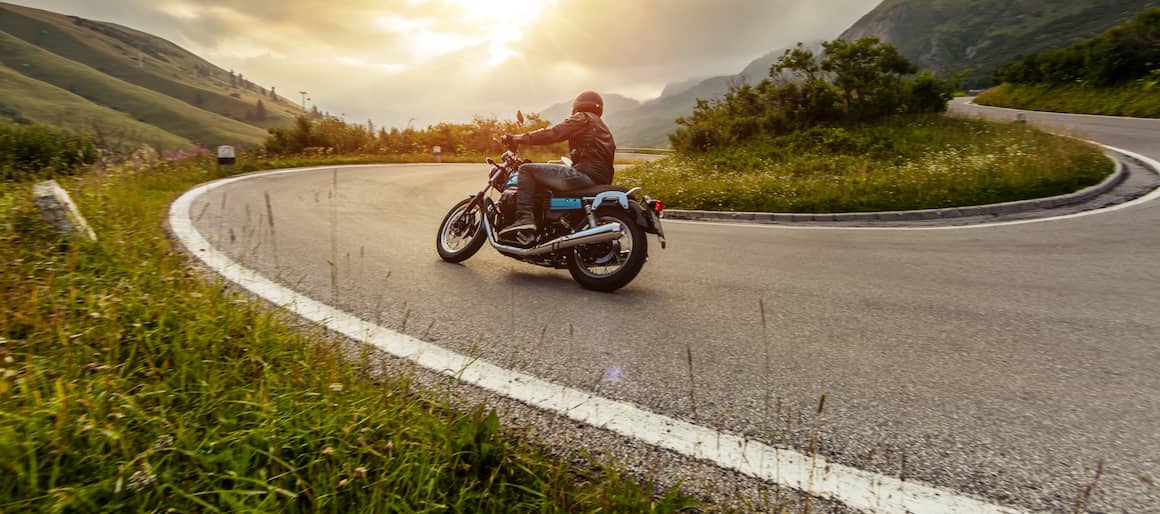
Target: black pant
[(555, 177)]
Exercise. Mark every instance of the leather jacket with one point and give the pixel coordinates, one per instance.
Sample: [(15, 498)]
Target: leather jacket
[(590, 144)]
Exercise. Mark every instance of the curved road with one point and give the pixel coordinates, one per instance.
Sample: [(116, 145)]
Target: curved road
[(1000, 362)]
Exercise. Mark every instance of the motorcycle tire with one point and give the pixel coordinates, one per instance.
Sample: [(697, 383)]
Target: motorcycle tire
[(629, 265), (460, 254)]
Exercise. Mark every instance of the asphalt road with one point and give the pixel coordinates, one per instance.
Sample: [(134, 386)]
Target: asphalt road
[(1002, 362)]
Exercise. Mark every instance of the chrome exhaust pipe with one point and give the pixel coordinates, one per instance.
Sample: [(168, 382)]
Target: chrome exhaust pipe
[(601, 234)]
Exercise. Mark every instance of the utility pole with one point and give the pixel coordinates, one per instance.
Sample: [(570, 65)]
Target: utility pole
[(303, 93)]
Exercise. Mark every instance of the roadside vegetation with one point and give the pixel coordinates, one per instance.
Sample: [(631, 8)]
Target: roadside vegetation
[(31, 152), (852, 130), (1116, 73), (129, 382), (334, 136)]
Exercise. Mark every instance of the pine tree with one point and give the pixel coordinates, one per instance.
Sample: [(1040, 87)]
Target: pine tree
[(260, 111)]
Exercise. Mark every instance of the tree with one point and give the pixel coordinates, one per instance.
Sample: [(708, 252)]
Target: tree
[(869, 74), (260, 111), (851, 82)]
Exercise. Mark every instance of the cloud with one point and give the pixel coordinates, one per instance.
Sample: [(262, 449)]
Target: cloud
[(432, 60)]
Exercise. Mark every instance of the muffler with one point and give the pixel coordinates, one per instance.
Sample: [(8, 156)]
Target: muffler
[(601, 234)]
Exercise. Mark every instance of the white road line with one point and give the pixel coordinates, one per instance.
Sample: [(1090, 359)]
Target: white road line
[(851, 486), (1153, 195)]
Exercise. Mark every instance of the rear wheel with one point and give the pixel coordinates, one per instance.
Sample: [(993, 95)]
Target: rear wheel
[(610, 266), (461, 233)]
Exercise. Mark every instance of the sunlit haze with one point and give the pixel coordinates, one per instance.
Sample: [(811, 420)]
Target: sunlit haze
[(402, 62)]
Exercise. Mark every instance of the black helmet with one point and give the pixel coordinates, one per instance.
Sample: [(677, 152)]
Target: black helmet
[(588, 101)]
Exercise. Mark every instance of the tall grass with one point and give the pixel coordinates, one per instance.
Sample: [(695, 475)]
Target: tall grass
[(912, 162), (130, 383), (28, 152)]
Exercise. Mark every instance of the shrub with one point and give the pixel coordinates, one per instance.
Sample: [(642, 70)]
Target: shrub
[(33, 151)]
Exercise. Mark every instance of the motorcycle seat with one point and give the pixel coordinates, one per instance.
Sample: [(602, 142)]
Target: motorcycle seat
[(593, 191)]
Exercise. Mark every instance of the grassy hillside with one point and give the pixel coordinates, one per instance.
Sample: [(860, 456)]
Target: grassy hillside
[(146, 61), (1117, 73), (27, 100), (1134, 100), (979, 36), (143, 104)]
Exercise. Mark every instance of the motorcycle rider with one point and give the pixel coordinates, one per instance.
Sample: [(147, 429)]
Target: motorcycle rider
[(592, 151)]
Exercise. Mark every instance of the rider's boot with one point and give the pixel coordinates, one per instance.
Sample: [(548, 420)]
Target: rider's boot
[(522, 231)]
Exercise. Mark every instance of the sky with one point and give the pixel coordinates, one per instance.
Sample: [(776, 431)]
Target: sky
[(418, 62)]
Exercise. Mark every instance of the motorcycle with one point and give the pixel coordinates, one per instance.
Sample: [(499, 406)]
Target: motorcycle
[(598, 233)]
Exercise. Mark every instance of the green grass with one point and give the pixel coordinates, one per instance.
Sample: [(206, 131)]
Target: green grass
[(904, 163), (170, 114), (1135, 99), (31, 100), (131, 383)]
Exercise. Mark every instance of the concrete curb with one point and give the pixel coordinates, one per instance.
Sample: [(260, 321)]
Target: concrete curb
[(59, 210), (1083, 195)]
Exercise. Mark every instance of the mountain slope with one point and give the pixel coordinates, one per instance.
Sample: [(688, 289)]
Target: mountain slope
[(981, 35), (143, 104), (147, 61), (28, 100)]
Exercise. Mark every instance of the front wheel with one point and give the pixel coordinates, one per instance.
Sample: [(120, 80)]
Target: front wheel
[(610, 266), (461, 233)]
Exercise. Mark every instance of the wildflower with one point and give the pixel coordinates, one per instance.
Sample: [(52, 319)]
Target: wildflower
[(360, 472), (328, 452), (141, 479), (342, 483)]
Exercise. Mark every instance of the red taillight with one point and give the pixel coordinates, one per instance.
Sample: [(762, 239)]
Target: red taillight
[(658, 206)]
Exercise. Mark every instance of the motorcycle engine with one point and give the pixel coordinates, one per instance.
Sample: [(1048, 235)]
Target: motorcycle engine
[(507, 206)]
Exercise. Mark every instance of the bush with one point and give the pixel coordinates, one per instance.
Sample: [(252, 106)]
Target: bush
[(860, 82), (1123, 54), (31, 151)]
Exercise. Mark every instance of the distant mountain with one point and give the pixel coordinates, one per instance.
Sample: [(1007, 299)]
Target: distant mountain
[(649, 124), (981, 35), (614, 105), (107, 79), (676, 88)]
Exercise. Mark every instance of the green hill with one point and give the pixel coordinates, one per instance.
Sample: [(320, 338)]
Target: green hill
[(981, 35), (27, 100), (147, 78), (145, 105)]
